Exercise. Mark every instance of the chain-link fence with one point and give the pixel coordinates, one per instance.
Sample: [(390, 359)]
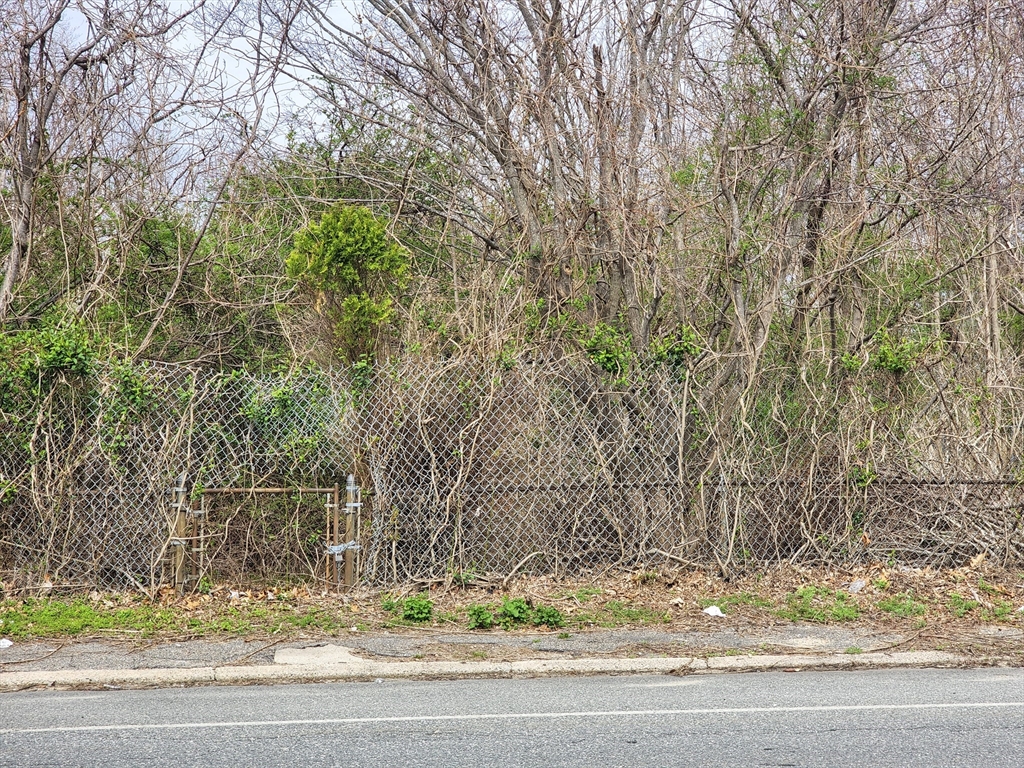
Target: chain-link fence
[(551, 469), (472, 468), (87, 476)]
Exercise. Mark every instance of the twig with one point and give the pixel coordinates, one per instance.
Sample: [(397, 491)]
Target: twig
[(37, 658), (520, 564), (253, 653)]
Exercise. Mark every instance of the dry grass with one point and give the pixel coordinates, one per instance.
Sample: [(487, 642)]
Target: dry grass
[(973, 609)]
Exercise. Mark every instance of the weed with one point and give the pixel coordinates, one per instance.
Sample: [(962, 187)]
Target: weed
[(862, 477), (853, 649), (481, 617), (902, 605), (514, 612), (960, 606), (584, 594), (418, 608), (465, 578), (895, 356), (820, 605), (984, 586), (479, 654), (851, 363), (645, 577), (880, 584), (546, 615), (1001, 610), (564, 635)]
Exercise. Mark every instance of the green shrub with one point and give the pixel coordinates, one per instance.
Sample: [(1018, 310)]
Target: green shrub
[(610, 350), (481, 617), (68, 349), (677, 352), (514, 612), (349, 259), (548, 616), (894, 356), (418, 608)]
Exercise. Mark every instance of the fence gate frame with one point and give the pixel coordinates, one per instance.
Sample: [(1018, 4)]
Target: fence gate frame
[(187, 528)]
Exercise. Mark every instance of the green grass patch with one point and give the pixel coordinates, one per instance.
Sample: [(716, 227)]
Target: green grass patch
[(582, 595), (984, 586), (54, 618), (1001, 610), (38, 618), (616, 613), (903, 605), (960, 606), (729, 602), (819, 605)]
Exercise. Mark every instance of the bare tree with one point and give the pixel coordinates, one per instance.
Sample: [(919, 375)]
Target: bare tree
[(121, 129)]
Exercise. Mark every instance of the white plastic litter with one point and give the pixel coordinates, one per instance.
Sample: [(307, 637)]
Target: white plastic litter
[(713, 610), (857, 586), (5, 643)]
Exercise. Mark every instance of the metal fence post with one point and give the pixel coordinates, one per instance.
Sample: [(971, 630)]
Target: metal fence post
[(351, 509)]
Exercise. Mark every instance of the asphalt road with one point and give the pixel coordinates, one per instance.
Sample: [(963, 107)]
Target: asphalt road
[(871, 718)]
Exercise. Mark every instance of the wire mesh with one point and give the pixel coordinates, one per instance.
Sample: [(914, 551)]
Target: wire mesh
[(86, 480), (259, 539), (467, 468), (553, 469)]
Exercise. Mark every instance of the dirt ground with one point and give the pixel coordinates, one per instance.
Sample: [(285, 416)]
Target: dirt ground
[(977, 609)]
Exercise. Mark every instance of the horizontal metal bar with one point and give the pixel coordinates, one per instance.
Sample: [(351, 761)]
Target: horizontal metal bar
[(710, 485), (267, 490)]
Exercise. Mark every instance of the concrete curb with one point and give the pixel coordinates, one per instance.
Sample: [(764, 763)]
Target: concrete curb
[(454, 670)]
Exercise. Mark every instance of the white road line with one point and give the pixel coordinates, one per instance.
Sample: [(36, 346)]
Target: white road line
[(511, 716)]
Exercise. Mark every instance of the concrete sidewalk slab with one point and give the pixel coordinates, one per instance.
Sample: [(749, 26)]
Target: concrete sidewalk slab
[(357, 670)]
